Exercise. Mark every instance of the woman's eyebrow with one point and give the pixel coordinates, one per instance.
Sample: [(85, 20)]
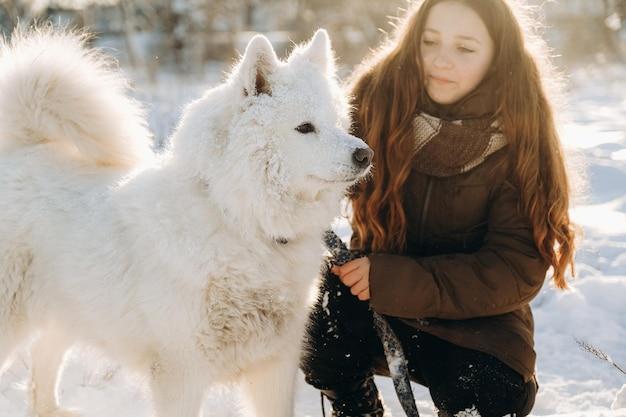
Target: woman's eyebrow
[(462, 37), (468, 38)]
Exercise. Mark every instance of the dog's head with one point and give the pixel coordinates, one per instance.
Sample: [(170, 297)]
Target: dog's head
[(295, 117), (274, 136)]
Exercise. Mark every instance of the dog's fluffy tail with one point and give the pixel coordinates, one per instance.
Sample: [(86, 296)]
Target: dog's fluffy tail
[(53, 89)]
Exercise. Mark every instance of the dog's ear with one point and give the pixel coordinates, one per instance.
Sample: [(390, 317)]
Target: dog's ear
[(258, 63), (318, 52)]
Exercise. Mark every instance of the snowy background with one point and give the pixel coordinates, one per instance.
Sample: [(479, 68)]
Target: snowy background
[(572, 381)]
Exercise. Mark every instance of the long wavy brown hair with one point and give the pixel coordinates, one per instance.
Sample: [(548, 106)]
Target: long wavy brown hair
[(388, 89)]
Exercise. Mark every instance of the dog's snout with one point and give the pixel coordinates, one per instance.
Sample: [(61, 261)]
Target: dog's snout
[(362, 157)]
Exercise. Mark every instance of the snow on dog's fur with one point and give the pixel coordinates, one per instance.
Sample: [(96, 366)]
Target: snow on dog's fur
[(193, 268)]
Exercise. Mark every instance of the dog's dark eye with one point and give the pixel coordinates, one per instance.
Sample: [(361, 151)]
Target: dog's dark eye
[(306, 128)]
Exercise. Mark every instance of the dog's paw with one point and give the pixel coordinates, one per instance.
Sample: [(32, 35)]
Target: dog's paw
[(60, 412)]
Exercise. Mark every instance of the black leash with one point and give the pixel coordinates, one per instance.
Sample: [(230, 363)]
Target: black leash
[(398, 368)]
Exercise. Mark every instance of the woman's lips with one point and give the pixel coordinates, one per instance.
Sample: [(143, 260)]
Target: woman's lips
[(440, 80)]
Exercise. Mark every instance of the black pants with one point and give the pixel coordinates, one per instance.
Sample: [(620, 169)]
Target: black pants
[(342, 348)]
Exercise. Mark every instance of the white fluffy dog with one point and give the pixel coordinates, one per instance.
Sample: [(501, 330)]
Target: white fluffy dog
[(192, 268)]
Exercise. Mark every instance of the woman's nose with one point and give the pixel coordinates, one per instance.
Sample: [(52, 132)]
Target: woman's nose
[(442, 60)]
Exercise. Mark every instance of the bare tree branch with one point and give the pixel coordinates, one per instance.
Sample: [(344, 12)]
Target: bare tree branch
[(599, 354)]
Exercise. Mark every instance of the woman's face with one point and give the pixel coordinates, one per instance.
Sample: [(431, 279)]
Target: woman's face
[(456, 51)]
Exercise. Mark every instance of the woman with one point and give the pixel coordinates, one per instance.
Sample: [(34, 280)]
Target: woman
[(466, 210)]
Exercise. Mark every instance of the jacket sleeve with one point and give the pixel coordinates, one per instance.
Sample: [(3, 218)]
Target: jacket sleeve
[(502, 276)]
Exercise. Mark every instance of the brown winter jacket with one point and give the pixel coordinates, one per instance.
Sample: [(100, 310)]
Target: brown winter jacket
[(471, 266)]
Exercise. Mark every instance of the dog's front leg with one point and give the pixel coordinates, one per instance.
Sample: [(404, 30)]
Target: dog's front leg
[(47, 358), (268, 387), (177, 390)]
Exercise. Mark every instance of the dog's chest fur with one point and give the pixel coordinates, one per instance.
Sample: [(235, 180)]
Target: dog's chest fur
[(257, 303)]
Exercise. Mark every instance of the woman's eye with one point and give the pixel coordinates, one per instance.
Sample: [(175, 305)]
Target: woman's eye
[(428, 42), (465, 50), (306, 128)]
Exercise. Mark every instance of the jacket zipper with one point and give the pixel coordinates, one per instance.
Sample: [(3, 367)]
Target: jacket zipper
[(429, 186)]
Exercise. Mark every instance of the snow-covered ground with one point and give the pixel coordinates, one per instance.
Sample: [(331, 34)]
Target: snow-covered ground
[(573, 382)]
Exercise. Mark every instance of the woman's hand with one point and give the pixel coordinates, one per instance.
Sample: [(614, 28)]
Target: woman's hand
[(355, 275)]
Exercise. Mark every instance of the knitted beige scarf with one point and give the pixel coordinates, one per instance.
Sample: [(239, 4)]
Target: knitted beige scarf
[(445, 148)]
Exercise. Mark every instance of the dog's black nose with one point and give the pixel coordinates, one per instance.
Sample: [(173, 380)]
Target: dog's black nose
[(362, 157)]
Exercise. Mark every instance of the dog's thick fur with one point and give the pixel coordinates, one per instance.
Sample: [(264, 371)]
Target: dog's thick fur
[(193, 268)]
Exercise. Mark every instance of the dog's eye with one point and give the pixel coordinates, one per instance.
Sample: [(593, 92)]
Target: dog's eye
[(306, 128)]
